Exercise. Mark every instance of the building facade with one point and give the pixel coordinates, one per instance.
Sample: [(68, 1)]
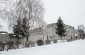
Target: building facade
[(51, 32), (38, 34)]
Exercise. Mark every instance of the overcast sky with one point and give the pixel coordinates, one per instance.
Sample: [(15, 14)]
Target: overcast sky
[(71, 11)]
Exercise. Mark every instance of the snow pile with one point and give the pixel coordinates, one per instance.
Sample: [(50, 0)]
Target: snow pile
[(67, 48)]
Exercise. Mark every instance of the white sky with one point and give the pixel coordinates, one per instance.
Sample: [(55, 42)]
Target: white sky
[(71, 11)]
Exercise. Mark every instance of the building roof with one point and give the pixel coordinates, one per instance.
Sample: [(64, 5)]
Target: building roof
[(53, 24)]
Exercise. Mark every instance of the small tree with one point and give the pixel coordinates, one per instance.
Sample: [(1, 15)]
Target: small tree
[(60, 29)]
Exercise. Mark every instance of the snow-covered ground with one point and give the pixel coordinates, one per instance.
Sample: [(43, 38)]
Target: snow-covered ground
[(67, 48)]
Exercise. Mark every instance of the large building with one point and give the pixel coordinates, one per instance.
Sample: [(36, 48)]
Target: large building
[(51, 32)]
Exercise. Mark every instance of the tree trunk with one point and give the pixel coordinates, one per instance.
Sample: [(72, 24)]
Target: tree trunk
[(61, 38), (17, 42)]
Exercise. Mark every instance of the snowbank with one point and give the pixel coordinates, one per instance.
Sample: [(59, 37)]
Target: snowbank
[(67, 48)]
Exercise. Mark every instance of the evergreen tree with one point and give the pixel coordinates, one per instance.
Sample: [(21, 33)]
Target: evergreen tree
[(25, 27), (21, 30), (60, 29), (17, 29)]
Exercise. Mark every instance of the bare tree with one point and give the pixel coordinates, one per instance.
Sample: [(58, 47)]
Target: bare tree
[(7, 13), (31, 10), (80, 31)]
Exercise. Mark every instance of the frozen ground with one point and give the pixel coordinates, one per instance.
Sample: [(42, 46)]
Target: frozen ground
[(67, 48)]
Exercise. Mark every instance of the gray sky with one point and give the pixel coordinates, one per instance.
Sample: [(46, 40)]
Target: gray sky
[(71, 11)]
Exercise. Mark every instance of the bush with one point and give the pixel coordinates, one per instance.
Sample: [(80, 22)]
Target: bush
[(39, 42), (10, 44), (48, 42)]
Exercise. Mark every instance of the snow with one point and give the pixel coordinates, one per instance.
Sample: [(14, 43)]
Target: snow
[(66, 48)]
